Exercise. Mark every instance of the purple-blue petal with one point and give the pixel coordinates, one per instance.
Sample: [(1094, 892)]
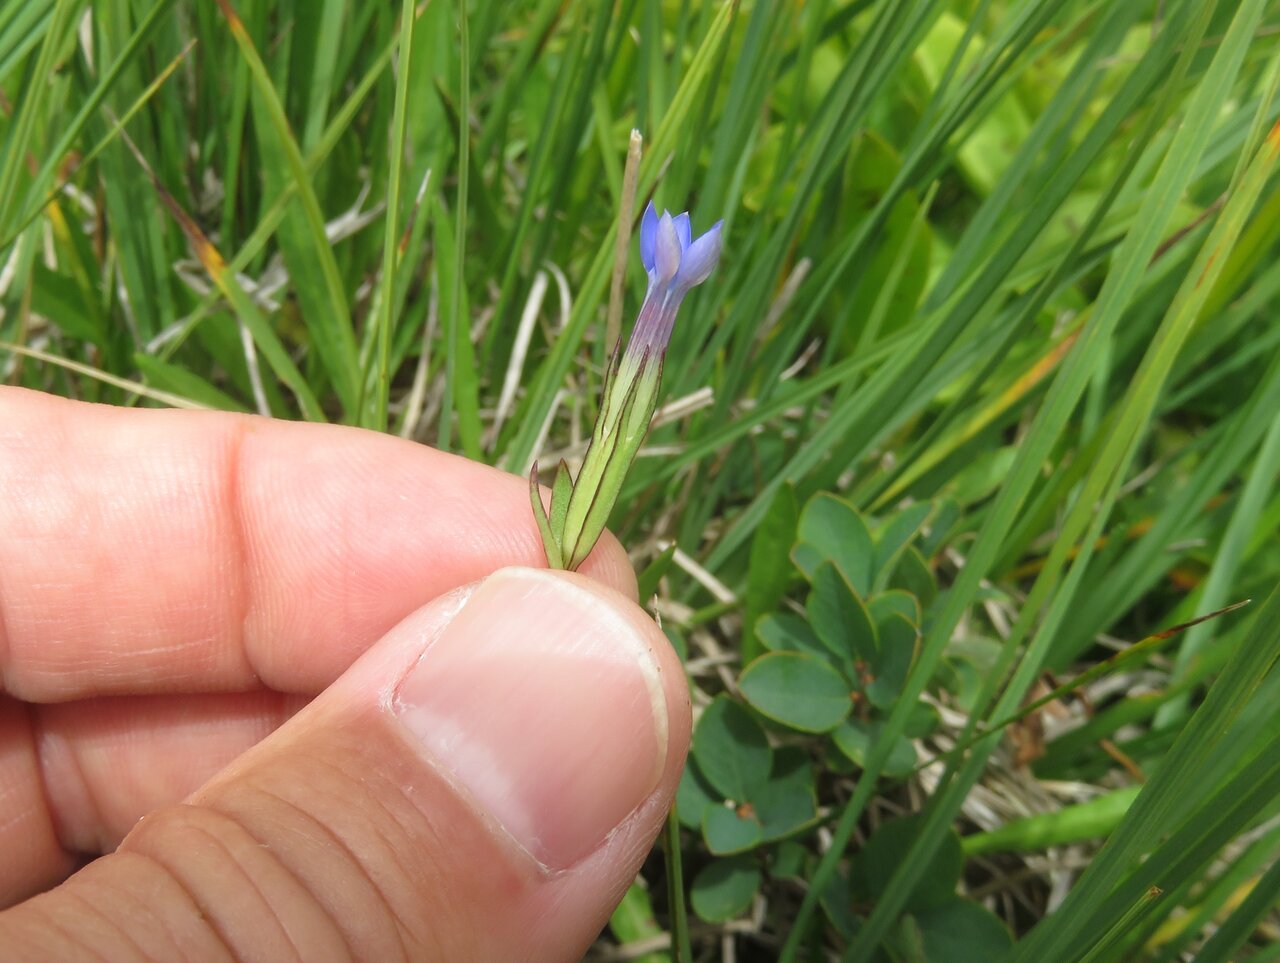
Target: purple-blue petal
[(648, 236), (683, 230), (700, 259), (666, 257)]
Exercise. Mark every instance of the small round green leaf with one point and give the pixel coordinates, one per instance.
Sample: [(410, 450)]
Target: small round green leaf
[(839, 617), (731, 749), (832, 530), (914, 575), (693, 796), (784, 632), (894, 600), (922, 721), (854, 738), (797, 690), (724, 889), (959, 931), (787, 804), (902, 759), (898, 642), (888, 848), (837, 904), (731, 830), (897, 532), (790, 860)]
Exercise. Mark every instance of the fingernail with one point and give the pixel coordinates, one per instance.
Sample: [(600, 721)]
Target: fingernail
[(542, 702)]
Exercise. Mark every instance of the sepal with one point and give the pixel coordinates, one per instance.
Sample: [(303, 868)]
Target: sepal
[(561, 493), (549, 543)]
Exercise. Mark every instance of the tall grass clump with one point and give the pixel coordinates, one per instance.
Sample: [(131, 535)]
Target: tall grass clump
[(983, 398)]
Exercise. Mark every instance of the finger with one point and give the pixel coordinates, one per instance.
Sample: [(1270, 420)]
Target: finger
[(160, 551), (81, 774), (483, 784), (33, 856)]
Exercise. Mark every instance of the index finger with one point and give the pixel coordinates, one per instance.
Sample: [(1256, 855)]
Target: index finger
[(164, 551)]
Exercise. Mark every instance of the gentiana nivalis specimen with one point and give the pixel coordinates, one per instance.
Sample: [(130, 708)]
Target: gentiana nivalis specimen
[(676, 262)]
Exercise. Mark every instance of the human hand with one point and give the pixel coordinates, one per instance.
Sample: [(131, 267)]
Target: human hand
[(238, 656)]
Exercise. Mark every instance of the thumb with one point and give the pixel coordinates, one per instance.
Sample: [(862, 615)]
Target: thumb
[(483, 784)]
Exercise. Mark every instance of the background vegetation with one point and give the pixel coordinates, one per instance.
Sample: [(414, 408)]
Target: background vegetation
[(984, 392)]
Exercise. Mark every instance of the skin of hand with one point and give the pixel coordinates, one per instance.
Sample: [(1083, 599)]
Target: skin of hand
[(308, 693)]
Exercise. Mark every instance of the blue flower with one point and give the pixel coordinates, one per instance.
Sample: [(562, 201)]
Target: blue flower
[(676, 262), (671, 255)]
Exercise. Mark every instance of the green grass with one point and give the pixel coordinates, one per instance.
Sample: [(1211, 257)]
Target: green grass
[(1014, 260)]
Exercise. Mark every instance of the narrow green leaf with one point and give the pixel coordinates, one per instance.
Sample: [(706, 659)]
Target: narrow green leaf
[(647, 581), (306, 245), (21, 131), (262, 332), (1153, 814), (1060, 827), (56, 155), (549, 543), (375, 415), (1232, 933), (182, 381), (462, 391)]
